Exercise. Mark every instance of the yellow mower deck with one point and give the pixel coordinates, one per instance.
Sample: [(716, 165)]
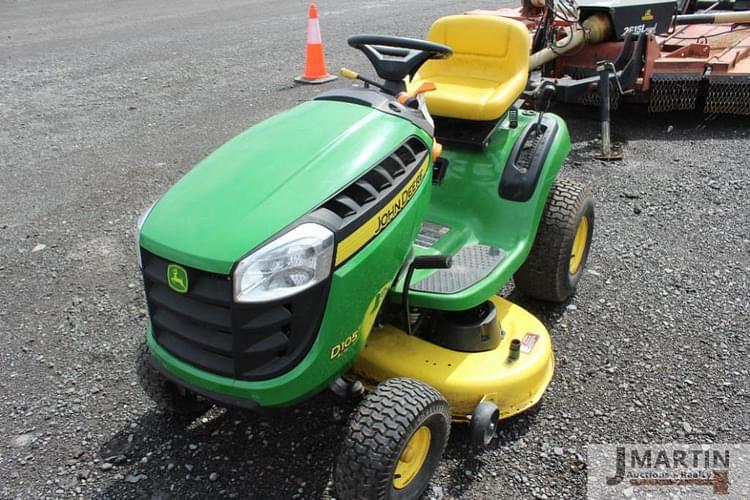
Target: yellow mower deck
[(465, 378)]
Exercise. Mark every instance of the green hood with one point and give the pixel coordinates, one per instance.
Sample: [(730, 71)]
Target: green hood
[(265, 179)]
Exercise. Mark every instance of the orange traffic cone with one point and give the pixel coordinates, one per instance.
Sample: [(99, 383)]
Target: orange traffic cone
[(315, 63)]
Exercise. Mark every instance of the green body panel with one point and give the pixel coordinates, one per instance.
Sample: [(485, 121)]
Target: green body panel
[(357, 291), (258, 184), (265, 179), (468, 202)]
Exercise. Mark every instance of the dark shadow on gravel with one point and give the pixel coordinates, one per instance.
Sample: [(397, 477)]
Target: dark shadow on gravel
[(235, 454), (634, 122), (226, 454), (469, 462)]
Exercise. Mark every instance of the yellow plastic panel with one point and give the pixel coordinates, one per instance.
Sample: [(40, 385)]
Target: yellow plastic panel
[(466, 379), (488, 69)]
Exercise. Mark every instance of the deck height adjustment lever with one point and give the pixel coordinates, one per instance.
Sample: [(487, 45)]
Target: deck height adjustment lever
[(421, 262)]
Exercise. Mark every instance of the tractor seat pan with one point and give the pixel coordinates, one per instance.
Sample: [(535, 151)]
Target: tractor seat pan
[(488, 70)]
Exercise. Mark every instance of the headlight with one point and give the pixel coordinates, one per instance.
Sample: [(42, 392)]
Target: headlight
[(138, 227), (288, 265)]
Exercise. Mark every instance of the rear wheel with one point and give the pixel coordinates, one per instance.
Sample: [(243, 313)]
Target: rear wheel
[(167, 395), (561, 248), (394, 442)]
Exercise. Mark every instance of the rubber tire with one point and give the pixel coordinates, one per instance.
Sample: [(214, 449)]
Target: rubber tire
[(484, 417), (167, 396), (377, 433), (546, 273)]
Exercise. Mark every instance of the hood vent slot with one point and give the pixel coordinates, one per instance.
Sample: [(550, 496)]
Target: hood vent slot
[(394, 166), (344, 206), (364, 192), (376, 186)]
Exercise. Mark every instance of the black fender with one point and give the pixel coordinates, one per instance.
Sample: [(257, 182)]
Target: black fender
[(526, 161)]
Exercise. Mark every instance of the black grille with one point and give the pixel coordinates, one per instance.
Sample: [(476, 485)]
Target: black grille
[(376, 187), (205, 328)]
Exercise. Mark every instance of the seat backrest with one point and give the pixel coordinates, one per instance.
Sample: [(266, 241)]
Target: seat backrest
[(484, 47)]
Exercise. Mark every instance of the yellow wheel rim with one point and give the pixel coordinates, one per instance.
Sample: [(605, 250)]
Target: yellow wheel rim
[(579, 245), (412, 458)]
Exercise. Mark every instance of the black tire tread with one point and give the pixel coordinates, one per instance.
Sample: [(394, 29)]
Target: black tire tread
[(545, 274), (373, 438)]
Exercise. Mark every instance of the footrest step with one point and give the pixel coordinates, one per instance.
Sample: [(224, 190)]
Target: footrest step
[(470, 265)]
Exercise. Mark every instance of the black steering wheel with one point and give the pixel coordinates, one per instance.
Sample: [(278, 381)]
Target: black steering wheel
[(394, 57)]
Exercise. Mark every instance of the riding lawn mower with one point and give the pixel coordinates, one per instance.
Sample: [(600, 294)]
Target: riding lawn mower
[(357, 242)]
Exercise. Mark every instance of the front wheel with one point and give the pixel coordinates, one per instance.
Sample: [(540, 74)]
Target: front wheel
[(561, 248), (394, 442)]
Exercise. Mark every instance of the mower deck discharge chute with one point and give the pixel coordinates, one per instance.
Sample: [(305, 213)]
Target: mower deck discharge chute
[(358, 241)]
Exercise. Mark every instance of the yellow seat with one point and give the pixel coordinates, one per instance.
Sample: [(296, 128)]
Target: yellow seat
[(488, 69)]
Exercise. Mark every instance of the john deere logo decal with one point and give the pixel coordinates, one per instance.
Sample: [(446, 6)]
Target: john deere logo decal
[(177, 278), (647, 16)]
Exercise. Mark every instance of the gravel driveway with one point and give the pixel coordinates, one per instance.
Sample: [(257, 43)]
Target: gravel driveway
[(104, 105)]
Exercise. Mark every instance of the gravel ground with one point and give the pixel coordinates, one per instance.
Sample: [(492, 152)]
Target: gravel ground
[(105, 105)]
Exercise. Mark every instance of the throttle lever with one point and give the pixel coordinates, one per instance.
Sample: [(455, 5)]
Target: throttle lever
[(353, 75)]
